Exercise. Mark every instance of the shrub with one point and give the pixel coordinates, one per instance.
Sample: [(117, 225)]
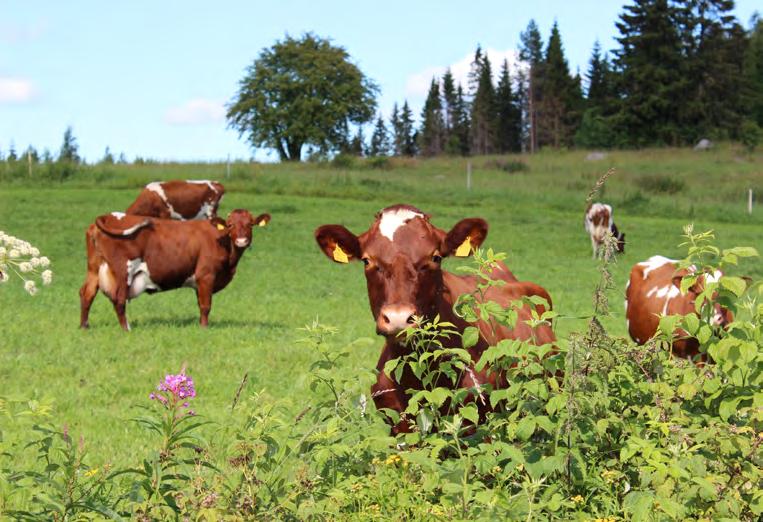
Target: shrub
[(510, 166), (750, 135), (661, 184), (343, 161)]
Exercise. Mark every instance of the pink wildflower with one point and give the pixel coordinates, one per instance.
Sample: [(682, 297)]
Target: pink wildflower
[(175, 389)]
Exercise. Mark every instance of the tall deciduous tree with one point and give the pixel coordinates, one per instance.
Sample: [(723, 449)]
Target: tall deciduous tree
[(301, 92), (432, 135)]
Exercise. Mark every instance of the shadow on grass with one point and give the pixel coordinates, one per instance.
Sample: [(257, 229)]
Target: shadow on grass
[(214, 324)]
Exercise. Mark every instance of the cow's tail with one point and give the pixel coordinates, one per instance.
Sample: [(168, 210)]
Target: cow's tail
[(125, 226)]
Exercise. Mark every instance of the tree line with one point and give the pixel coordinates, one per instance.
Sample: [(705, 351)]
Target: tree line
[(684, 70)]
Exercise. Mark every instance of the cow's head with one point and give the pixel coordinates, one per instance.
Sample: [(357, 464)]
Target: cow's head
[(402, 253), (722, 316), (239, 226)]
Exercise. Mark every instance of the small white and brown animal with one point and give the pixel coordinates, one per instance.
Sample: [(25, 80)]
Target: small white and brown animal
[(599, 219), (178, 199), (654, 290)]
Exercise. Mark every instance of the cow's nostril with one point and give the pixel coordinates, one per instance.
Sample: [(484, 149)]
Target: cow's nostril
[(410, 320), (385, 318)]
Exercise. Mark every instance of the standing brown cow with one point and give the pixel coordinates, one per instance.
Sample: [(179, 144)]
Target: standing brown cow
[(129, 255), (402, 253), (654, 290), (177, 199)]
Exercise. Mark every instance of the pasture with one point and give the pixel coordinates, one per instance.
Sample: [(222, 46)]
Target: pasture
[(95, 378)]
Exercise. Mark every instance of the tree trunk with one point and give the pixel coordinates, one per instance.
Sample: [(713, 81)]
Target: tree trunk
[(295, 150)]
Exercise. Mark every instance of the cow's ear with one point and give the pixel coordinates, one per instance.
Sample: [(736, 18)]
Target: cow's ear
[(466, 236), (678, 281), (339, 244), (262, 220)]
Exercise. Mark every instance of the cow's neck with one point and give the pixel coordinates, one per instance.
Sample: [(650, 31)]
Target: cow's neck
[(234, 255)]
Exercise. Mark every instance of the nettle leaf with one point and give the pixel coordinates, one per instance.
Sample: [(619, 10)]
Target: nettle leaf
[(425, 420), (728, 407), (526, 428), (469, 412), (741, 252), (668, 324), (704, 334), (470, 336), (691, 323), (735, 285), (390, 365)]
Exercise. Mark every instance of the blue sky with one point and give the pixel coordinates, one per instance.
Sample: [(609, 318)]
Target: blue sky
[(151, 78)]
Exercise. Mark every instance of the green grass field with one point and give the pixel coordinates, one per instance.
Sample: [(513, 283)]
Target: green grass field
[(96, 377)]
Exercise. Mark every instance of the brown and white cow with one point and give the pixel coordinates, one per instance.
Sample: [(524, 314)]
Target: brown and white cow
[(402, 253), (654, 290), (177, 199), (129, 255), (600, 220)]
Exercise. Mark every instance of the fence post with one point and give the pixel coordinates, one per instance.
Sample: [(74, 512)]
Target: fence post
[(469, 175), (29, 161), (749, 201)]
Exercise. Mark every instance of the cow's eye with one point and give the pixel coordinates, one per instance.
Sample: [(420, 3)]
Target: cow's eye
[(436, 258), (366, 261)]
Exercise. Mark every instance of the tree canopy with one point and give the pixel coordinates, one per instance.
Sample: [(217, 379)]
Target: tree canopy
[(301, 92)]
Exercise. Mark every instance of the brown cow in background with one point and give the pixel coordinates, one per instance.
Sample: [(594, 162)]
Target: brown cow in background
[(402, 253), (599, 220), (177, 199), (129, 255), (654, 290)]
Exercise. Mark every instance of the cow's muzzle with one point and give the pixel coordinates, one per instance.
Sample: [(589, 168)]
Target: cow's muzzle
[(393, 319), (242, 242)]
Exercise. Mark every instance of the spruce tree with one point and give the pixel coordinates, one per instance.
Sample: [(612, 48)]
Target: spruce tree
[(508, 115), (448, 102), (379, 139), (531, 52), (398, 139), (68, 152), (12, 153), (483, 120), (596, 128), (408, 133), (652, 73), (558, 108), (458, 140), (753, 72), (432, 135)]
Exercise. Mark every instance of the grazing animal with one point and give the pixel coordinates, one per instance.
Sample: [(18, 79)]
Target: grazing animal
[(177, 199), (599, 220), (129, 255), (402, 253), (654, 290)]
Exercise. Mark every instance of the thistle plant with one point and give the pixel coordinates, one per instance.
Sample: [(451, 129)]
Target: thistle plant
[(19, 257)]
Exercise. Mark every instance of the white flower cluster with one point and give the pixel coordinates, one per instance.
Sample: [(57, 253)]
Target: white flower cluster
[(21, 258)]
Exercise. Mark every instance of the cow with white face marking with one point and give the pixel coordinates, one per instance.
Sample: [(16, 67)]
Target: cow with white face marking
[(600, 221), (178, 199), (654, 291), (129, 255), (402, 254)]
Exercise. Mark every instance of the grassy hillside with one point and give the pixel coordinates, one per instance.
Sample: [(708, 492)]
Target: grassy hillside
[(535, 215)]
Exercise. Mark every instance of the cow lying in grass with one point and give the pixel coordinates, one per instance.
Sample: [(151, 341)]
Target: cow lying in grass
[(129, 255), (177, 199), (402, 253)]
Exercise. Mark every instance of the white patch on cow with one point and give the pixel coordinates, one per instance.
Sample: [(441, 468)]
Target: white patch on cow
[(595, 209), (627, 324), (157, 188), (138, 278), (206, 211), (190, 282), (201, 182), (714, 277), (106, 281), (654, 263), (118, 215), (242, 242), (391, 220)]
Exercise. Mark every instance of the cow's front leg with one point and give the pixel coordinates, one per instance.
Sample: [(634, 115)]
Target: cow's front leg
[(204, 298)]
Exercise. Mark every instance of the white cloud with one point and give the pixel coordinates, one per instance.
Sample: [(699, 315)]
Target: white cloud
[(418, 84), (16, 90), (198, 111)]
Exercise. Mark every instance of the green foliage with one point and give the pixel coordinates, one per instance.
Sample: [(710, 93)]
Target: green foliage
[(750, 134), (285, 100), (662, 184)]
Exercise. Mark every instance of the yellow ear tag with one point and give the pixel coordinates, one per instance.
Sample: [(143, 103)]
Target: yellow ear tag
[(340, 256), (220, 226), (262, 223), (465, 249)]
